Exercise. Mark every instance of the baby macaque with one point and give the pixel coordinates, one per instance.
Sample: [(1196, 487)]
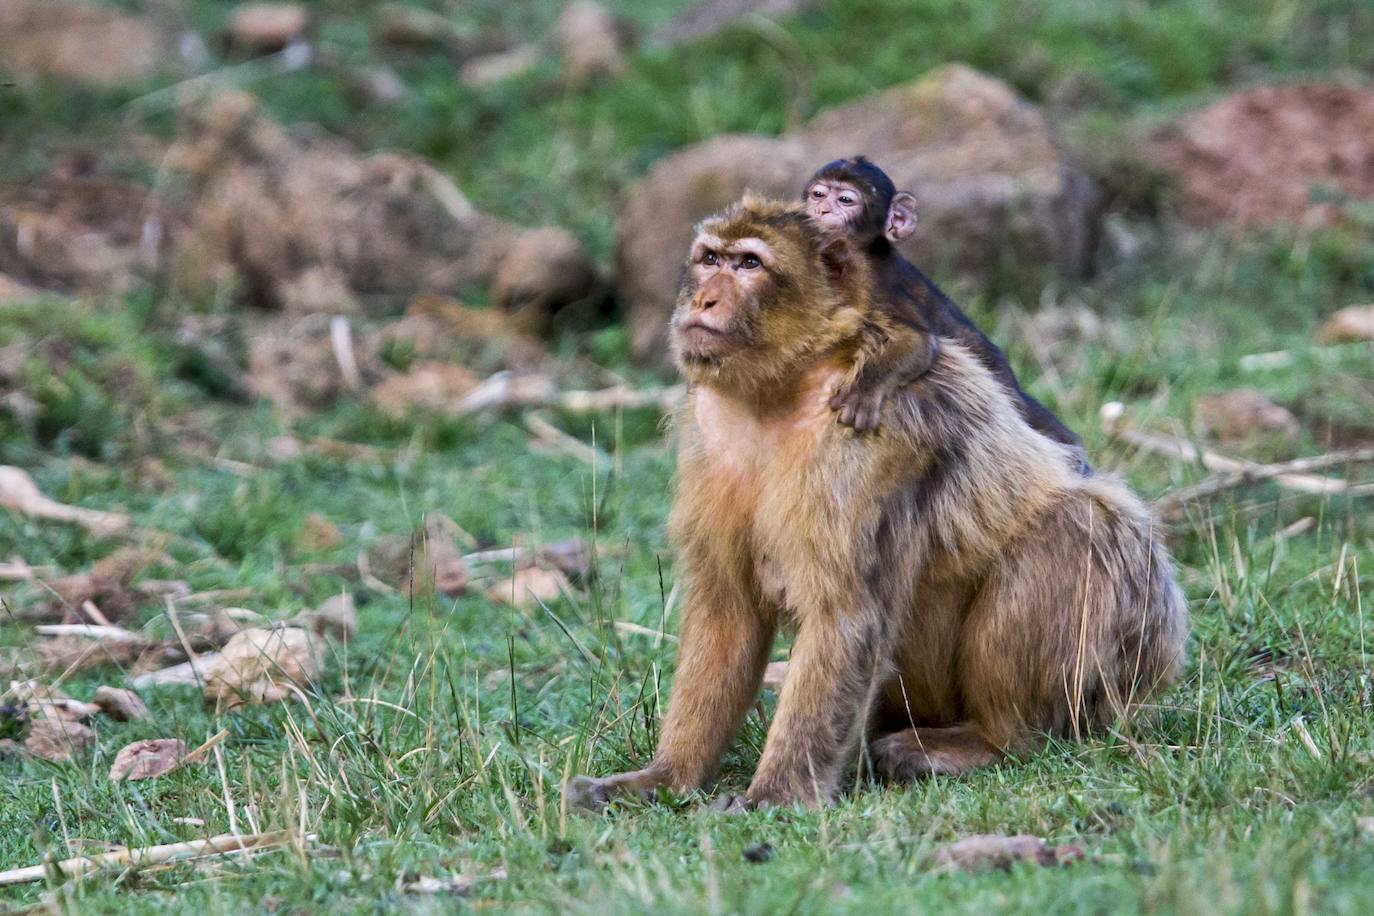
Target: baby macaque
[(856, 197)]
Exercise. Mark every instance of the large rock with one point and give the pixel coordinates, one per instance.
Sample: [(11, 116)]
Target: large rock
[(306, 224), (1256, 157), (71, 41), (991, 183)]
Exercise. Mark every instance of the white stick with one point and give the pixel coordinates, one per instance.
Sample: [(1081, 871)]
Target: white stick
[(225, 844)]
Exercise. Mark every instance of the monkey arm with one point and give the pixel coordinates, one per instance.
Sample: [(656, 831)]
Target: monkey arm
[(888, 359), (831, 680), (724, 643)]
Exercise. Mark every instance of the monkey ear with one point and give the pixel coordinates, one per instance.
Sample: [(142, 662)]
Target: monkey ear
[(901, 216)]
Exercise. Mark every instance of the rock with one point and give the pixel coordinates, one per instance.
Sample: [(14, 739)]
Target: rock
[(304, 223), (488, 69), (592, 41), (433, 386), (335, 618), (319, 533), (293, 364), (530, 587), (377, 85), (544, 270), (707, 17), (1244, 414), (256, 29), (147, 759), (12, 292), (413, 27), (990, 180), (40, 701), (996, 851), (58, 740), (108, 584), (1352, 324), (121, 705), (76, 42), (263, 665), (440, 566), (1257, 156)]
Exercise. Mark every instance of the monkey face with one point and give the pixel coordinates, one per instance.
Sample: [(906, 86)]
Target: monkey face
[(837, 205), (726, 283), (764, 290)]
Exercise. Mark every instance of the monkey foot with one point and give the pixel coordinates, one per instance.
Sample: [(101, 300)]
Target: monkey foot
[(586, 793), (918, 752), (731, 804)]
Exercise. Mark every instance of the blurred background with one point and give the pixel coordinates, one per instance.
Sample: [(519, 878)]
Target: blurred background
[(351, 314)]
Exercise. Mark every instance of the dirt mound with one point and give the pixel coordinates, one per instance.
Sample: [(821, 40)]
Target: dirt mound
[(298, 221), (1275, 155), (87, 232)]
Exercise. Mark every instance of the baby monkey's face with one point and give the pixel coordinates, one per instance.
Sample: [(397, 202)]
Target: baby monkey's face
[(835, 204)]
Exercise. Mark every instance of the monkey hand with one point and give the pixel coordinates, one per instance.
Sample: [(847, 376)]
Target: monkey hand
[(859, 405)]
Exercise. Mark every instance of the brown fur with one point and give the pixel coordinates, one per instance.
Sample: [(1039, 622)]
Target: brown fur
[(958, 589)]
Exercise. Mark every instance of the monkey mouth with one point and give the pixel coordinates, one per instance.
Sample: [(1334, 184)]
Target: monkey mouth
[(697, 335)]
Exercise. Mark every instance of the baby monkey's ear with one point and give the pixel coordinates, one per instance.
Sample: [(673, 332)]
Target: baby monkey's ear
[(901, 216)]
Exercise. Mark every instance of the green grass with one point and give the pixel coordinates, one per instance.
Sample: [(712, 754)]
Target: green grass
[(438, 740)]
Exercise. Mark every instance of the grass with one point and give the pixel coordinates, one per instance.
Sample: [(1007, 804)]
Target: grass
[(439, 737)]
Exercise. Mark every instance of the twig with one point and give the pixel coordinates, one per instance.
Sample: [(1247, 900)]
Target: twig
[(19, 492), (1183, 450), (564, 443), (505, 390), (188, 673), (1217, 483), (341, 339), (91, 631), (225, 844)]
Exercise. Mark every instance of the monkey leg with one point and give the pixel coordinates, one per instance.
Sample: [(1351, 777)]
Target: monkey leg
[(723, 649), (1075, 623), (832, 680), (947, 751)]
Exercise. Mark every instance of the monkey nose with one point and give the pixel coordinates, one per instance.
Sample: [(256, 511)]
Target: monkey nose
[(708, 303)]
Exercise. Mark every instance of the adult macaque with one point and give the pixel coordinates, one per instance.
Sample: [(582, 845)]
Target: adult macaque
[(855, 196), (958, 589)]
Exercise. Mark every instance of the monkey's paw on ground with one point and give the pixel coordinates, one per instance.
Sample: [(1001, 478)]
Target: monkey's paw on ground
[(590, 793)]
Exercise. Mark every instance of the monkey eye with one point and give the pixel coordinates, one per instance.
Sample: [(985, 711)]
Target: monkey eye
[(818, 192), (846, 199), (750, 262), (710, 259)]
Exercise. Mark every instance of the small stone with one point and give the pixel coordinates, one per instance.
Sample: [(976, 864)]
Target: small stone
[(121, 705)]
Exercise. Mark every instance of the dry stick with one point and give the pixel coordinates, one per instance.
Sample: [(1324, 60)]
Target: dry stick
[(225, 844), (341, 339), (19, 492), (506, 389), (565, 443), (1286, 474), (1218, 482), (109, 634)]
